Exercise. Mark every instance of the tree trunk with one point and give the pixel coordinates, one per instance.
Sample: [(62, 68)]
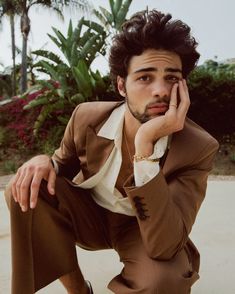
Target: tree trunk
[(23, 71), (25, 28), (13, 75)]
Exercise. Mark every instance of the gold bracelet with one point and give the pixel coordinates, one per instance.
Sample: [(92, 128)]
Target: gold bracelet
[(140, 158)]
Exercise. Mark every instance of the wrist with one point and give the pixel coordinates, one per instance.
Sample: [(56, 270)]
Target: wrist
[(144, 145), (138, 158), (144, 149)]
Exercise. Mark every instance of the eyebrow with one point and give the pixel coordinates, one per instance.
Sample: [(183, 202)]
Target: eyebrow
[(168, 69)]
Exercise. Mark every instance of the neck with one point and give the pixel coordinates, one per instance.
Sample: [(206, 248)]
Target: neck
[(131, 125)]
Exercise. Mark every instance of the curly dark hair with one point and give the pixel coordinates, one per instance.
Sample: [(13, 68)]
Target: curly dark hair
[(152, 30)]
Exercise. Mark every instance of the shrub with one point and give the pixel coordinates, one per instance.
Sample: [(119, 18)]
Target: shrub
[(212, 93), (3, 137), (18, 124)]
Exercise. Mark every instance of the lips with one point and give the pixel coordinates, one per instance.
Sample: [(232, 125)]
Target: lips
[(157, 108)]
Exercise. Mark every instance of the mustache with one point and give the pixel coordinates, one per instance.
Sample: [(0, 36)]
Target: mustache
[(165, 100)]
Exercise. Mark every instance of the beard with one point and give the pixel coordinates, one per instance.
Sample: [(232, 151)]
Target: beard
[(144, 116)]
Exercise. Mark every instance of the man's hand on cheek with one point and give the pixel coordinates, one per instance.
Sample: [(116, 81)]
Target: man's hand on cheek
[(164, 125)]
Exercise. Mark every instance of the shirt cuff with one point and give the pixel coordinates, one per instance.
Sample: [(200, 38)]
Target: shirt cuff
[(144, 170)]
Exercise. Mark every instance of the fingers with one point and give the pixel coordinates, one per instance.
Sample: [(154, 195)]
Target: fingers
[(19, 188), (51, 182), (26, 184), (34, 189), (13, 187), (184, 99), (183, 104), (23, 190), (173, 100), (178, 108)]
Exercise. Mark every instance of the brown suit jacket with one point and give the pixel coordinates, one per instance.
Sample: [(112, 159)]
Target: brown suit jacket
[(166, 207)]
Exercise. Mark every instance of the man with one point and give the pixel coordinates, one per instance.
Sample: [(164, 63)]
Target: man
[(129, 176)]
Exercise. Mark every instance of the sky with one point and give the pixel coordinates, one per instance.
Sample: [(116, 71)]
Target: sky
[(212, 23)]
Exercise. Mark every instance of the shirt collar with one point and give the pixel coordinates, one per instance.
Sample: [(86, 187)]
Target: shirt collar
[(112, 128)]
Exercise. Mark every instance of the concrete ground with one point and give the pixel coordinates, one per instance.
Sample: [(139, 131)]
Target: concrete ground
[(213, 233)]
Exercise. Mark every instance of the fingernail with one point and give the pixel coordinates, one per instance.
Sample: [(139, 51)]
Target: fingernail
[(23, 208), (32, 204)]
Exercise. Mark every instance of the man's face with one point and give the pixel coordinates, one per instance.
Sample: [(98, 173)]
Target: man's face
[(148, 85)]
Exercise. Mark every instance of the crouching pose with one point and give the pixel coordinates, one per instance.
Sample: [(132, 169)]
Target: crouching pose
[(128, 176)]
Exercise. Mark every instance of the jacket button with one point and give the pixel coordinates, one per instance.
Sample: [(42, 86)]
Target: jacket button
[(138, 205), (137, 199), (140, 210), (142, 217)]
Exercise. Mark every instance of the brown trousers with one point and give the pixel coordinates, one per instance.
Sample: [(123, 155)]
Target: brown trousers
[(44, 239)]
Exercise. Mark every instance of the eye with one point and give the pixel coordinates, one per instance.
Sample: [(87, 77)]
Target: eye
[(144, 78), (173, 78)]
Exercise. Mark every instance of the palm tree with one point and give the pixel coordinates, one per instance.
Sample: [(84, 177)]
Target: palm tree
[(10, 8), (25, 6)]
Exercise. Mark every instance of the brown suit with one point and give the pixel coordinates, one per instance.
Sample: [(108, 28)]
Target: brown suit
[(166, 207)]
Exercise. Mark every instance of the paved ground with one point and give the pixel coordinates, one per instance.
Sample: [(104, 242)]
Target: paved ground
[(213, 234)]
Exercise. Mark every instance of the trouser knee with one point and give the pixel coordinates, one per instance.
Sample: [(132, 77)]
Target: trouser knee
[(169, 277), (8, 194), (43, 192), (174, 282)]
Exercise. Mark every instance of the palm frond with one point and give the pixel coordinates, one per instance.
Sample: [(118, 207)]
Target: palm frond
[(121, 15), (49, 55)]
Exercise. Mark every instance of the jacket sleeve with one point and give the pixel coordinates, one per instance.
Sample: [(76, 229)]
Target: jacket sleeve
[(66, 156), (166, 208)]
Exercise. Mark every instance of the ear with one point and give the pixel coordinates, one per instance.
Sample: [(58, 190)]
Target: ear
[(121, 86)]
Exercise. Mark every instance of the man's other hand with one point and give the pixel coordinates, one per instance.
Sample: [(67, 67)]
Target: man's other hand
[(27, 181)]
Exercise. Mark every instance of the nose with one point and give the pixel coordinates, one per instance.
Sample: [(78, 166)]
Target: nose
[(160, 89)]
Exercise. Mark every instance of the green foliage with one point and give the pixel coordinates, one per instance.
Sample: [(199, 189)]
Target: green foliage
[(113, 19), (71, 79), (232, 158), (51, 141), (5, 85), (212, 93), (85, 42), (74, 81), (48, 104), (5, 88), (3, 137), (10, 167)]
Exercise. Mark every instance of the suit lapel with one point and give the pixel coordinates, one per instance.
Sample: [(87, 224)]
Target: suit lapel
[(98, 150)]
